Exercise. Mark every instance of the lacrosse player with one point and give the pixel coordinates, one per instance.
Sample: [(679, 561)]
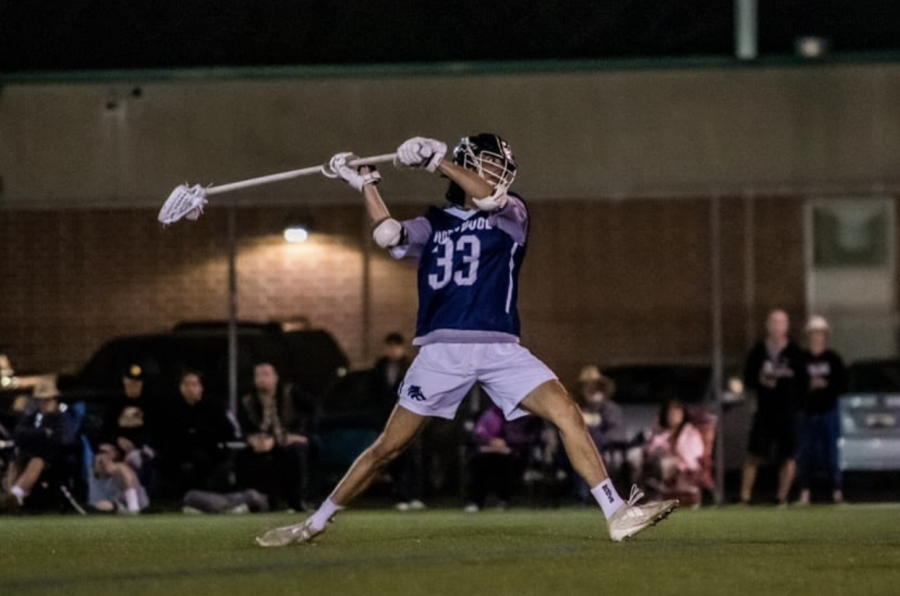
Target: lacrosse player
[(469, 253)]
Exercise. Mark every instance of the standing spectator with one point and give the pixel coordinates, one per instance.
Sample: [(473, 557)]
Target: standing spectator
[(673, 456), (127, 425), (190, 433), (820, 424), (407, 471), (277, 420), (44, 438), (502, 450), (775, 370), (604, 421)]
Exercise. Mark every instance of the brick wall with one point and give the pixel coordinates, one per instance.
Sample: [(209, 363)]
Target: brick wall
[(605, 281), (626, 281)]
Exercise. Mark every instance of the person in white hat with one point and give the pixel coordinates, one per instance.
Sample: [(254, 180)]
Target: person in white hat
[(604, 420), (819, 420)]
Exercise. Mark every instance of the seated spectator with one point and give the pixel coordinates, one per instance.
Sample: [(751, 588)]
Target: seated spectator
[(673, 456), (114, 486), (392, 366), (276, 419), (407, 471), (604, 421), (190, 433), (245, 501), (501, 456), (127, 426), (44, 437)]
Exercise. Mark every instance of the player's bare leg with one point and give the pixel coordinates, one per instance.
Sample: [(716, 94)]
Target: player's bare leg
[(401, 429), (551, 402), (626, 518)]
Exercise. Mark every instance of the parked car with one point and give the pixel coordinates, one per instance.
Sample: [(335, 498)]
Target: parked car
[(641, 390), (311, 358), (870, 417)]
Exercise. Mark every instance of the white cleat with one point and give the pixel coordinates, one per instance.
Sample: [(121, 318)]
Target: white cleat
[(632, 518), (285, 535)]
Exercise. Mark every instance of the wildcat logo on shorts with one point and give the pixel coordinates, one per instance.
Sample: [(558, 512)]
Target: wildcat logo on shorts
[(415, 392)]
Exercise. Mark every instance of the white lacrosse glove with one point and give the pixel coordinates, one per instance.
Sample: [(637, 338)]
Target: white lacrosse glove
[(388, 233), (340, 168), (497, 200), (419, 152)]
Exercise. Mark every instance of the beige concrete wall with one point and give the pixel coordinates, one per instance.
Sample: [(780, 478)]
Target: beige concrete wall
[(578, 132)]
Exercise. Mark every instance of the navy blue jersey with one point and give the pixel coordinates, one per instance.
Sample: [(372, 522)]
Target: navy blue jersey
[(469, 263)]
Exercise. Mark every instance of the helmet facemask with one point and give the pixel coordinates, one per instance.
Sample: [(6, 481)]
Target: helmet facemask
[(490, 157)]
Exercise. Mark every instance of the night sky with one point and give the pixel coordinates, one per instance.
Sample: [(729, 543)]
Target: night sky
[(103, 34)]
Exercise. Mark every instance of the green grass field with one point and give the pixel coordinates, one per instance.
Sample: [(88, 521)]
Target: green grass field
[(730, 551)]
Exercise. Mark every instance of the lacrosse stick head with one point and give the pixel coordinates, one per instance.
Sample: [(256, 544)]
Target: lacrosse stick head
[(184, 202)]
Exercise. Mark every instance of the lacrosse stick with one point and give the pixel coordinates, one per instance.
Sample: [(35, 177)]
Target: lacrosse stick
[(188, 201), (68, 495)]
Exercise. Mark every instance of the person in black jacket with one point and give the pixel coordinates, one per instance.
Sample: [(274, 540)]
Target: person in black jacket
[(127, 426), (820, 425), (776, 372), (277, 421), (44, 437), (190, 435)]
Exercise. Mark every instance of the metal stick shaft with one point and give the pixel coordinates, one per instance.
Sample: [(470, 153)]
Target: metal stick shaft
[(294, 174)]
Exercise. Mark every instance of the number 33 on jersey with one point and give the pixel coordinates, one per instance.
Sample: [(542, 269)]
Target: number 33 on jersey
[(469, 265)]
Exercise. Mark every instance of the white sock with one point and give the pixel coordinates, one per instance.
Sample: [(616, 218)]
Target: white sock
[(18, 493), (131, 500), (607, 497), (325, 512)]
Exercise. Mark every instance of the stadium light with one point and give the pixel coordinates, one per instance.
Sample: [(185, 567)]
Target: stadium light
[(811, 46), (296, 234)]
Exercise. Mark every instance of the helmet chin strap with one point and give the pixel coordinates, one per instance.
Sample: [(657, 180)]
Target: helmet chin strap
[(499, 191), (472, 202), (496, 200)]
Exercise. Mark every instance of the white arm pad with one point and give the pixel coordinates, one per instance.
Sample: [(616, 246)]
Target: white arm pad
[(388, 233)]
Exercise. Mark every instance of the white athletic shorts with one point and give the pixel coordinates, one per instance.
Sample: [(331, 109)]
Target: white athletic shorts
[(442, 374)]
